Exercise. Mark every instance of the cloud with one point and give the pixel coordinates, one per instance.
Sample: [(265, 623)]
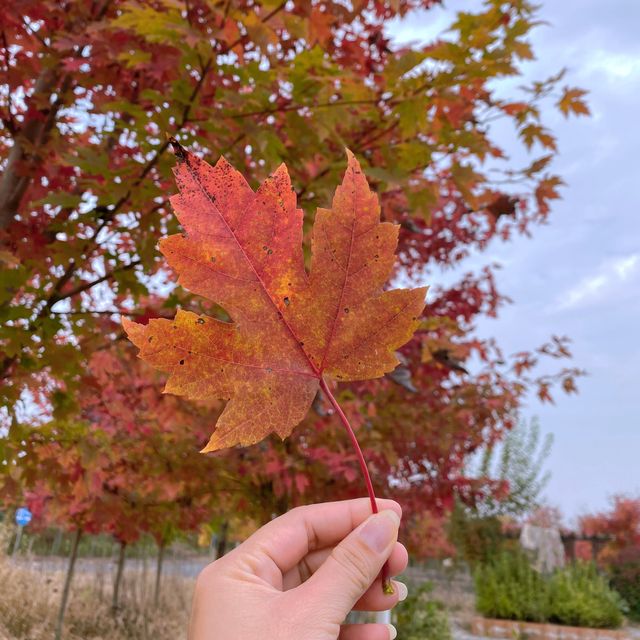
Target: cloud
[(608, 277), (617, 66)]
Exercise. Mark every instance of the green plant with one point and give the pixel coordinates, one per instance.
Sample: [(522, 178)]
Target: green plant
[(509, 588), (421, 618), (624, 574), (579, 596), (517, 461)]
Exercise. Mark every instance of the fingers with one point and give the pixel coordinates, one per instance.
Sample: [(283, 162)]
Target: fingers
[(397, 562), (291, 537), (367, 632), (353, 565), (374, 599)]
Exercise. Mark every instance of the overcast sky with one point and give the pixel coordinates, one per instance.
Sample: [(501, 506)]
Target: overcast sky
[(580, 275)]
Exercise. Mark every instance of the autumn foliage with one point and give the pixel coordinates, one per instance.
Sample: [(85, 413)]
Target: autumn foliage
[(90, 92), (243, 250)]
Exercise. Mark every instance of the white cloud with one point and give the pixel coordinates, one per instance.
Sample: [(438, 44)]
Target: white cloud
[(617, 66), (606, 279)]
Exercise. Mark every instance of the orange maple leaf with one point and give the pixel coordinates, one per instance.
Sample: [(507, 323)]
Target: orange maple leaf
[(290, 330)]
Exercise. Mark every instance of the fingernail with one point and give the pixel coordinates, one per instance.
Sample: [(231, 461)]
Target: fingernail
[(402, 590), (380, 530), (392, 631)]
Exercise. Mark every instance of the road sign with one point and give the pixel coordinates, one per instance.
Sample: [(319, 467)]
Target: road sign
[(23, 516)]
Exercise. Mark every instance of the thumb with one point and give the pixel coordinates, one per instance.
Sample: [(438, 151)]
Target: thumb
[(354, 564)]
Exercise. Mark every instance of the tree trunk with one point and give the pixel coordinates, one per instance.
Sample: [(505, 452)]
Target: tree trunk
[(118, 581), (55, 547), (67, 584), (17, 174), (156, 593), (221, 545)]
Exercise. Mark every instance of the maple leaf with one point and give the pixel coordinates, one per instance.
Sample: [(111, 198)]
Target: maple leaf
[(290, 330)]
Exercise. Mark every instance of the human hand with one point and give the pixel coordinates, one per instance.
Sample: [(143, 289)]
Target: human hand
[(298, 577)]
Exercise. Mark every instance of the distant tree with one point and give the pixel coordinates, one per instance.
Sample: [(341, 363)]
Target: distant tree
[(512, 471), (518, 463)]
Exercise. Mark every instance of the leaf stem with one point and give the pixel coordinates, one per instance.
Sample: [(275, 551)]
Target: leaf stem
[(387, 587), (354, 442)]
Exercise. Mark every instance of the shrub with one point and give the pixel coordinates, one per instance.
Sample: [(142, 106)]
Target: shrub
[(509, 588), (580, 597), (624, 572), (421, 618)]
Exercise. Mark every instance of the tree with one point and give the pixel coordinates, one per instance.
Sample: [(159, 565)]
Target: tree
[(621, 523), (127, 466), (518, 464), (92, 88)]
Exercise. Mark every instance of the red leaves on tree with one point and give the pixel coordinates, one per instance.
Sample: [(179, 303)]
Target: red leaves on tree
[(243, 250)]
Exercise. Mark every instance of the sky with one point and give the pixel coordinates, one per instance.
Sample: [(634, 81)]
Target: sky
[(580, 274)]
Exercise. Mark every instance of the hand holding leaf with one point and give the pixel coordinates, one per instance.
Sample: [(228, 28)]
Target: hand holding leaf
[(290, 330)]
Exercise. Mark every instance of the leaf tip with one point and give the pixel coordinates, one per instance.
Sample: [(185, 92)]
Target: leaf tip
[(210, 447), (179, 151), (134, 330)]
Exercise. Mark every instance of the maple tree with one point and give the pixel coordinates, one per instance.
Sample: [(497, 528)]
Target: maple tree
[(125, 466), (620, 523), (92, 87), (89, 91)]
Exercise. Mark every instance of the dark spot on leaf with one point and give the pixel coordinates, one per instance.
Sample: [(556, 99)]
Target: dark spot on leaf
[(287, 301), (269, 252), (150, 338), (301, 343), (346, 309), (200, 320), (213, 258), (181, 361)]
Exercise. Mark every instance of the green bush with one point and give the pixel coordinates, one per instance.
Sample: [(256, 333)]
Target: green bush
[(509, 588), (421, 618), (624, 573), (578, 596)]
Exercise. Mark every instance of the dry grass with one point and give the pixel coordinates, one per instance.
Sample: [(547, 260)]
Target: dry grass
[(29, 601)]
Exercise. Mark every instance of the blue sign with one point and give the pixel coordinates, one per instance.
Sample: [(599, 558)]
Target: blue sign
[(23, 516)]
